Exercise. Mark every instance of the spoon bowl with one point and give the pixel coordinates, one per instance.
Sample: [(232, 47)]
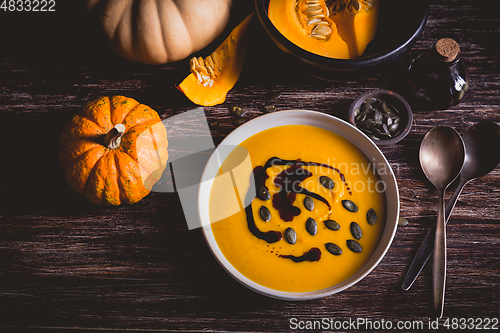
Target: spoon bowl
[(442, 155), (480, 159)]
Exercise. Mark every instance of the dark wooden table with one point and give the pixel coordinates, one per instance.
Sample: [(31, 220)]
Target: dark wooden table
[(66, 264)]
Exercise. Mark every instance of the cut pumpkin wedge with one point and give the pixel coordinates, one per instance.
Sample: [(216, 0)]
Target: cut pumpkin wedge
[(289, 17), (357, 25), (339, 29), (212, 78)]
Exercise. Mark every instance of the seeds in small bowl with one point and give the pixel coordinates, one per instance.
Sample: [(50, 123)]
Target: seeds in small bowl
[(377, 118)]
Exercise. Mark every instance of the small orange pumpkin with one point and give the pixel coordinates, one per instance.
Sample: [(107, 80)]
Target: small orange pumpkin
[(114, 150)]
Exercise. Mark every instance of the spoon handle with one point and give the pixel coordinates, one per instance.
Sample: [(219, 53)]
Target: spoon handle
[(427, 247), (439, 262)]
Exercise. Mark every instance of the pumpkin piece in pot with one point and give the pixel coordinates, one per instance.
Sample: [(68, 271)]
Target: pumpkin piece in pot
[(114, 150), (306, 23), (212, 78), (356, 21)]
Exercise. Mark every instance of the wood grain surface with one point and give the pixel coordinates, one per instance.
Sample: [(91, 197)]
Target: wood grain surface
[(67, 265)]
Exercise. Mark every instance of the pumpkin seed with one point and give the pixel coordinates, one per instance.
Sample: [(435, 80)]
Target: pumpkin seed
[(378, 117), (265, 214), (371, 217), (237, 111), (402, 222), (361, 116), (263, 193), (370, 101), (350, 206), (311, 226), (356, 230), (356, 5), (332, 225), (309, 203), (333, 249), (327, 182), (353, 246), (268, 108), (273, 95), (315, 15), (290, 235), (322, 29), (394, 127)]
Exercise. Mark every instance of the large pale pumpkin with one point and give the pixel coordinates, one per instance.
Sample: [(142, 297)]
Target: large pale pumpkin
[(161, 31), (114, 150)]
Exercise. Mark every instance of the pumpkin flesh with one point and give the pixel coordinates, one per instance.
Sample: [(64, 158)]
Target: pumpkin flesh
[(212, 78), (284, 15), (112, 176), (352, 25)]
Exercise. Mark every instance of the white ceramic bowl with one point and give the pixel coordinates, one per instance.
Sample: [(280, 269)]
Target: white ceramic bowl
[(321, 120)]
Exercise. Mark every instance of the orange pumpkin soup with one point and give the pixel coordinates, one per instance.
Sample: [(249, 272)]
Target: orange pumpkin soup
[(318, 214)]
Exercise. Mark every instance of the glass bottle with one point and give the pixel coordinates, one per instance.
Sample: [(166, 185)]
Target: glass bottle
[(438, 78)]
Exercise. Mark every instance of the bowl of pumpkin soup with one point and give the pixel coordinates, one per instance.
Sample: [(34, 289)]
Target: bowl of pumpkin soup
[(298, 204)]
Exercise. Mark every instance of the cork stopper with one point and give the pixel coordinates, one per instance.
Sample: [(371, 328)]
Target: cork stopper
[(447, 49)]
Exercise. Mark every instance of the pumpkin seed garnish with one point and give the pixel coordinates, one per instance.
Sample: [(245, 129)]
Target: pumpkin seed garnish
[(267, 108), (311, 226), (309, 203), (332, 225), (263, 193), (371, 217), (237, 111), (290, 235), (356, 230), (265, 214), (353, 246), (333, 249), (402, 222), (327, 182), (350, 206)]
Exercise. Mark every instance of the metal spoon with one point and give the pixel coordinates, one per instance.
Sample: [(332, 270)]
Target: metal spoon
[(442, 155), (480, 160)]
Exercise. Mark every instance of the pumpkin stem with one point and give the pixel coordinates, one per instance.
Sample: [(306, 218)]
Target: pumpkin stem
[(113, 139)]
